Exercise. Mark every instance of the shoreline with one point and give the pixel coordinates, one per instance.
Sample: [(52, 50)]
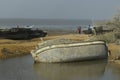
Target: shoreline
[(16, 48), (10, 48)]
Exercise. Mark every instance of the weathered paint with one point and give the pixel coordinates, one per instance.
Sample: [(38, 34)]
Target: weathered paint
[(71, 52)]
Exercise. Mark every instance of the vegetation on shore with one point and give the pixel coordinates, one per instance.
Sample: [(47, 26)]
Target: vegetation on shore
[(14, 48), (112, 38)]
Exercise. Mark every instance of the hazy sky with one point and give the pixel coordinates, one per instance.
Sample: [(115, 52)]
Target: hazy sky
[(62, 9)]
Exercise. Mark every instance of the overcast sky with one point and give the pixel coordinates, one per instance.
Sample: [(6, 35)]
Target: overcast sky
[(59, 9)]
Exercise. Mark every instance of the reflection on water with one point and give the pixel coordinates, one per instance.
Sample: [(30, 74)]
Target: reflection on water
[(17, 69), (23, 68), (91, 70), (112, 72)]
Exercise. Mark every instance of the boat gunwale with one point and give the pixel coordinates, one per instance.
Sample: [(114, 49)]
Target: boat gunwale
[(67, 45)]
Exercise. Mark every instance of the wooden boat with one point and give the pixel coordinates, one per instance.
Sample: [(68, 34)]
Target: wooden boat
[(60, 51)]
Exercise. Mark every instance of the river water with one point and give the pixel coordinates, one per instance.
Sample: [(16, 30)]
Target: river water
[(24, 68)]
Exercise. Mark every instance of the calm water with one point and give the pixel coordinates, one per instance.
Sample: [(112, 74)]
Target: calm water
[(45, 24), (23, 68)]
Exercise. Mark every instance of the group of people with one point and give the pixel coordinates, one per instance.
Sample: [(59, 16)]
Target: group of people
[(90, 30)]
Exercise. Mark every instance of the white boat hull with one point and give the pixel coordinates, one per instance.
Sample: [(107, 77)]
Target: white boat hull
[(71, 52)]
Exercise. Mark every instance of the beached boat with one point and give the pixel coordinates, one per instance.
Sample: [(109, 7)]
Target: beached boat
[(68, 50), (21, 33)]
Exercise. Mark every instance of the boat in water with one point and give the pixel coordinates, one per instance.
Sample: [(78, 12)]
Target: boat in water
[(62, 50)]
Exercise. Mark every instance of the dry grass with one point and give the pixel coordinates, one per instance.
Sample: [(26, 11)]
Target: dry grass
[(14, 46), (69, 36), (115, 50), (108, 37), (25, 46)]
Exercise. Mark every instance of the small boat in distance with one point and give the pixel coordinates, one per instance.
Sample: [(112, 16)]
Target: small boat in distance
[(69, 51)]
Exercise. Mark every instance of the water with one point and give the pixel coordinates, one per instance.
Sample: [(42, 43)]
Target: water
[(23, 68), (45, 24)]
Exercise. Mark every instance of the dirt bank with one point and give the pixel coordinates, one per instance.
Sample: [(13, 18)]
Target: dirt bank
[(115, 53)]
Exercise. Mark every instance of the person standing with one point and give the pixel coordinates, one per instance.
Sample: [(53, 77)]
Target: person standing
[(79, 29)]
